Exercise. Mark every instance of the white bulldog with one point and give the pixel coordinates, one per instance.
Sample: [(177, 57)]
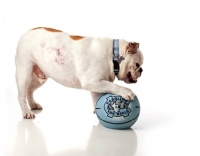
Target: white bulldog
[(73, 61)]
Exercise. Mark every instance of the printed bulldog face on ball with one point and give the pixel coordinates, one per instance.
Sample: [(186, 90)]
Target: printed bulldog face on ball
[(130, 63), (116, 106)]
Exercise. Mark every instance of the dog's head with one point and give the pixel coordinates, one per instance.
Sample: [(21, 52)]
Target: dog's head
[(130, 63)]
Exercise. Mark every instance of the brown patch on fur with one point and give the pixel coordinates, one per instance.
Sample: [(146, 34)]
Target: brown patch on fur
[(52, 30), (47, 29), (37, 28), (76, 37), (132, 47)]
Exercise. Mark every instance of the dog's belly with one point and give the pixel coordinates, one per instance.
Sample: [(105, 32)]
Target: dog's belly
[(70, 81), (64, 76)]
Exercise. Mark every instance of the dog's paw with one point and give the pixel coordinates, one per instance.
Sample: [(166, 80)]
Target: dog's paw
[(28, 114), (35, 106), (126, 93)]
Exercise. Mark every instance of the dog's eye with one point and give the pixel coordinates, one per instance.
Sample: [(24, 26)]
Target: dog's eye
[(137, 65)]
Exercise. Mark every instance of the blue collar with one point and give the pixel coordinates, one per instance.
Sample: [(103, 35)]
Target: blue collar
[(116, 55)]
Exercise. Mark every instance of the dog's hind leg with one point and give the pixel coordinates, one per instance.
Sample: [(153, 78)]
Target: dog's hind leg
[(38, 79), (23, 78)]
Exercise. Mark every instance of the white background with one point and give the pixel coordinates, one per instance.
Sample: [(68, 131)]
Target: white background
[(169, 35)]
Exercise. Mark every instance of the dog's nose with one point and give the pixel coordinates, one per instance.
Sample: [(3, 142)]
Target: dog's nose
[(140, 70)]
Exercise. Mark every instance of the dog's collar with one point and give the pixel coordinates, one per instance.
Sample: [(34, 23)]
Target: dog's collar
[(116, 55)]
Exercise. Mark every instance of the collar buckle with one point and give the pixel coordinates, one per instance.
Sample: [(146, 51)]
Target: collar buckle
[(116, 57)]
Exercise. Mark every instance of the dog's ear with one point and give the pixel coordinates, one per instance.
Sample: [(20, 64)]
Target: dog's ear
[(132, 47)]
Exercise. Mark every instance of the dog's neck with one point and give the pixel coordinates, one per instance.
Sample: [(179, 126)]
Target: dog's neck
[(116, 56)]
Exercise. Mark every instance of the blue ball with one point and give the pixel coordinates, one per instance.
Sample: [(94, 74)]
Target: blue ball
[(115, 112)]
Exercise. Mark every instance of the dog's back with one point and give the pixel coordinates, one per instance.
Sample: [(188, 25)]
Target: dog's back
[(61, 56)]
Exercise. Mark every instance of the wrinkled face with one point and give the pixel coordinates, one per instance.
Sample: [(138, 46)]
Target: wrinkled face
[(116, 107), (133, 71), (130, 64)]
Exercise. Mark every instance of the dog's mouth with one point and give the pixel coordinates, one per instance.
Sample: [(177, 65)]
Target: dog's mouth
[(130, 79)]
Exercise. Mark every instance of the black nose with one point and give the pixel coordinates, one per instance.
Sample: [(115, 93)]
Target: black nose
[(140, 70)]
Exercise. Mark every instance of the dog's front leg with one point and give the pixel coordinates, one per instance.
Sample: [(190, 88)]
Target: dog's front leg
[(94, 99), (103, 86)]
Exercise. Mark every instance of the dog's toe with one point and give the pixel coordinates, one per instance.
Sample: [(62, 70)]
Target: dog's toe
[(36, 106), (28, 114), (127, 94)]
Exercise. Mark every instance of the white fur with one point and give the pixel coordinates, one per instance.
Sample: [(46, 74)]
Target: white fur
[(85, 64)]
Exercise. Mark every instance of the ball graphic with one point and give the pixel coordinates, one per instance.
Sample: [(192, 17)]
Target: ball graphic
[(115, 112)]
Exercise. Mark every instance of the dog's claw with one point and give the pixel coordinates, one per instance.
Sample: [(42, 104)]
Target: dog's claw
[(36, 106), (29, 115), (127, 94)]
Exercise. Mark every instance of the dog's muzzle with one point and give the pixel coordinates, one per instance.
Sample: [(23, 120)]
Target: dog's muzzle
[(130, 79), (129, 76)]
